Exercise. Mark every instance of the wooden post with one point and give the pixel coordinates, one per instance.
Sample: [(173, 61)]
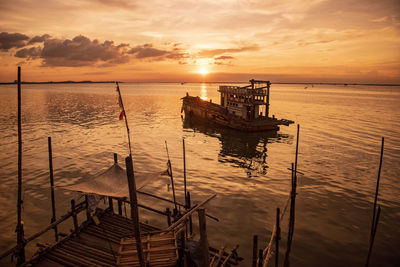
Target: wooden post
[(297, 153), (377, 187), (134, 208), (119, 206), (267, 104), (171, 176), (255, 248), (74, 217), (110, 204), (168, 216), (371, 243), (205, 259), (115, 158), (260, 258), (20, 227), (184, 170), (277, 237), (53, 205), (88, 216), (291, 220), (190, 217)]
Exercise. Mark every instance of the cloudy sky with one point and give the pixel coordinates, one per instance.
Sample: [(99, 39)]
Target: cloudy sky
[(201, 40)]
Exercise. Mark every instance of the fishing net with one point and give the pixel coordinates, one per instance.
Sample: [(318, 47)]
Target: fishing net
[(112, 182)]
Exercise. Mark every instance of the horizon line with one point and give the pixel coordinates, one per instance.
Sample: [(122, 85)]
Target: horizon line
[(89, 81)]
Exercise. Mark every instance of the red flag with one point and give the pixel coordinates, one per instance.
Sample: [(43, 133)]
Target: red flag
[(121, 116)]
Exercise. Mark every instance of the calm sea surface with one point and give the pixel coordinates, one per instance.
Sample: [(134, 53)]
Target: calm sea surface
[(340, 137)]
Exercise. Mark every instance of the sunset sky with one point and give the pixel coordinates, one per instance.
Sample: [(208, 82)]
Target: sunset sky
[(186, 41)]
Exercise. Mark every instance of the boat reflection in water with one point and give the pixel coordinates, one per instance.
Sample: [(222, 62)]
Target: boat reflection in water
[(239, 149)]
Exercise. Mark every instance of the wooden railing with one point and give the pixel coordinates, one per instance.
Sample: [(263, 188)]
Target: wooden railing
[(75, 210)]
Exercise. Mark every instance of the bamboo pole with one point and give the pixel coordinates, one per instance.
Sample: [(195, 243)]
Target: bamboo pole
[(20, 226), (119, 202), (190, 217), (371, 243), (297, 153), (184, 170), (88, 216), (171, 175), (377, 186), (110, 204), (227, 258), (255, 248), (126, 119), (134, 208), (53, 205), (291, 220), (205, 259), (189, 213), (260, 258), (74, 217), (177, 203), (277, 237)]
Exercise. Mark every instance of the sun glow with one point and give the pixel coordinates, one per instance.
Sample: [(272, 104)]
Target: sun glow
[(203, 71)]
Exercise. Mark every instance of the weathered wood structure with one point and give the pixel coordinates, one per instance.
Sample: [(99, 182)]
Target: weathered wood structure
[(243, 108)]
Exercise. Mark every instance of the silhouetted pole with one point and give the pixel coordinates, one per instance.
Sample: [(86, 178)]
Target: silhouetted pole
[(20, 226), (184, 170), (377, 186), (291, 220), (53, 204), (255, 248), (371, 243), (190, 217), (115, 158), (134, 208), (123, 113), (297, 153), (205, 259), (171, 176), (375, 215), (277, 237), (267, 104)]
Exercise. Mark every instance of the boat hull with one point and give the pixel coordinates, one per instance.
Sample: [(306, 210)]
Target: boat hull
[(194, 106)]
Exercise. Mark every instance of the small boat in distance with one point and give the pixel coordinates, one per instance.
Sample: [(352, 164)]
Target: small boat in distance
[(242, 108)]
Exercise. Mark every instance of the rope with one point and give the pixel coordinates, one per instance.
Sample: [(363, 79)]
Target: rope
[(267, 253)]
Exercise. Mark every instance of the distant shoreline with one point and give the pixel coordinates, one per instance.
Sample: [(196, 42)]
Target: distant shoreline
[(62, 82), (303, 83)]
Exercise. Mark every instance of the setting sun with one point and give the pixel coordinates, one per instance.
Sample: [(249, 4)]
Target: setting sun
[(203, 71)]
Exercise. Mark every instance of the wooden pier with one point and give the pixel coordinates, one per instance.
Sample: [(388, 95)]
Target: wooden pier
[(94, 244), (105, 238)]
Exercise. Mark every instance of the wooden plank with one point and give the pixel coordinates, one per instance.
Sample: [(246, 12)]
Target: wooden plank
[(79, 257), (90, 253)]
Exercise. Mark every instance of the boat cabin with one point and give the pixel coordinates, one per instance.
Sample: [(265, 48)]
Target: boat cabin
[(248, 102)]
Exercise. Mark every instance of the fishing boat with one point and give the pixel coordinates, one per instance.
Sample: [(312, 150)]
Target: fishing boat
[(244, 108)]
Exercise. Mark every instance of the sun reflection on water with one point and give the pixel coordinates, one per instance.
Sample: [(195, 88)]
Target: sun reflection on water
[(203, 91)]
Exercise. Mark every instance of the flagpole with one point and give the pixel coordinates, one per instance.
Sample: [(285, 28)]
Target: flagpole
[(123, 113)]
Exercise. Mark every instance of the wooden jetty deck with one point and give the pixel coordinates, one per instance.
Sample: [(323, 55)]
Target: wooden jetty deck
[(95, 244)]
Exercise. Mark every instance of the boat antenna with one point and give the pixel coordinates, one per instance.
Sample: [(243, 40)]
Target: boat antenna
[(122, 115)]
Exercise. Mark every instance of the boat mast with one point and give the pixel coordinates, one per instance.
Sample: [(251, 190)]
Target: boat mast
[(123, 113)]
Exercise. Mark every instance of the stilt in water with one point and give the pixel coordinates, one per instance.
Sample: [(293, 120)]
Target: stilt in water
[(277, 237), (20, 226), (255, 248), (171, 175), (53, 204), (375, 214), (134, 208), (184, 170), (203, 237)]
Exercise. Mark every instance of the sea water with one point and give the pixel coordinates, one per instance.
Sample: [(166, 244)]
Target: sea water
[(340, 138)]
